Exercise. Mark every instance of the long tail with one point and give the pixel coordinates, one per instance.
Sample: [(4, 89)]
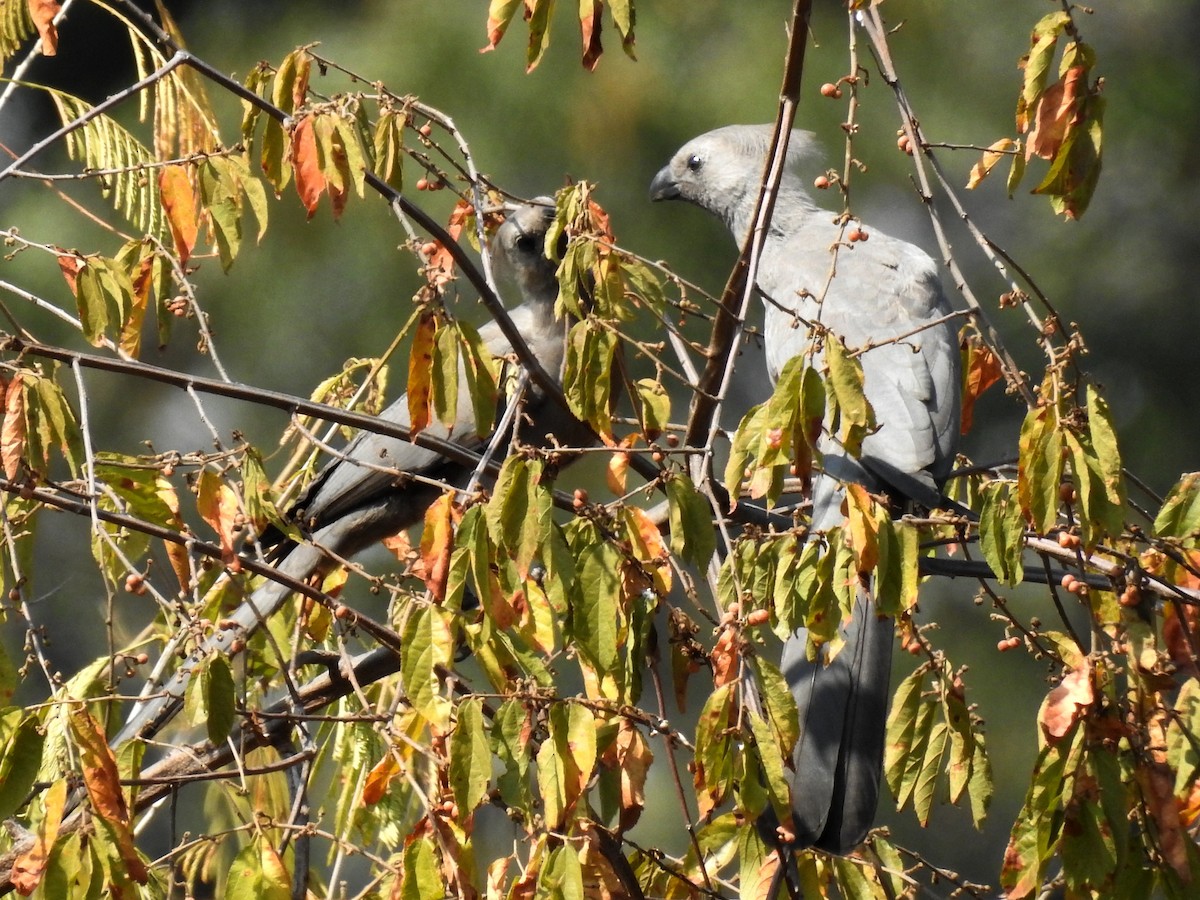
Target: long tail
[(838, 758)]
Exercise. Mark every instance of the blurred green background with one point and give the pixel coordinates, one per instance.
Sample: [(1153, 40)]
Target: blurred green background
[(315, 293)]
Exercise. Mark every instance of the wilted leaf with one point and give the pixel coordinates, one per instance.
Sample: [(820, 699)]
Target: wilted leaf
[(589, 26), (218, 507), (991, 156), (29, 867), (376, 783), (853, 417), (420, 372), (43, 12), (1040, 467), (1066, 703), (500, 15), (12, 434)]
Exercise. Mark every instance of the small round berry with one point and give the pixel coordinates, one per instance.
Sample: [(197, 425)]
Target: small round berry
[(758, 617), (1130, 597), (1064, 539), (426, 130), (135, 584), (422, 184), (821, 183), (428, 249), (856, 234), (831, 90)]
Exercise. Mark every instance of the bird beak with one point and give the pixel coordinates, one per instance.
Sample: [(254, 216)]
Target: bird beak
[(664, 186)]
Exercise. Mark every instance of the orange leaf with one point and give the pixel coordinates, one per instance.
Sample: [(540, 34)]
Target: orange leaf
[(218, 506), (982, 370), (631, 756), (725, 658), (71, 264), (1058, 109), (28, 868), (991, 156), (399, 546), (1066, 703), (864, 530), (43, 12), (12, 434), (437, 542), (104, 787), (179, 200), (378, 779), (618, 467), (310, 181), (420, 373)]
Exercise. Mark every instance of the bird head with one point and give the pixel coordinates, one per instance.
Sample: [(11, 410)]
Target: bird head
[(720, 170), (520, 247)]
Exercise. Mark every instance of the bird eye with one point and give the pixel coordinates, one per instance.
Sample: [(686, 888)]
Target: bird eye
[(694, 163), (527, 243)]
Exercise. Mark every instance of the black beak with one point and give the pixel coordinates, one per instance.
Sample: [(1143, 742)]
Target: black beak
[(664, 186)]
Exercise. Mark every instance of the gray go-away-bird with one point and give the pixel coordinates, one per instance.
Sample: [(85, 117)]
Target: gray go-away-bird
[(885, 295), (369, 492)]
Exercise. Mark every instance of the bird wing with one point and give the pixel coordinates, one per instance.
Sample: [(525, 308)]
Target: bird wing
[(885, 294)]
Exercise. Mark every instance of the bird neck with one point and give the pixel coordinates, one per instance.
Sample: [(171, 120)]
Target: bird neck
[(793, 209)]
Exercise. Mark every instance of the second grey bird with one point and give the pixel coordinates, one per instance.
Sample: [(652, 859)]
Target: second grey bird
[(368, 493), (886, 295)]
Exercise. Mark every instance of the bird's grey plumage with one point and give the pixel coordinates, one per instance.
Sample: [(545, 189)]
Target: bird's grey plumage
[(884, 294), (365, 495)]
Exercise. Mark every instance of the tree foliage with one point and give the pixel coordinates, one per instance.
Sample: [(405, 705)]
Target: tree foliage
[(538, 638)]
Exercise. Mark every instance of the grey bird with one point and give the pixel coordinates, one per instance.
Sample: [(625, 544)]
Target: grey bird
[(369, 493), (886, 294)]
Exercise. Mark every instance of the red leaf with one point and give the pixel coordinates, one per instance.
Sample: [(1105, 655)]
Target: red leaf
[(43, 12), (179, 200), (310, 182), (218, 506)]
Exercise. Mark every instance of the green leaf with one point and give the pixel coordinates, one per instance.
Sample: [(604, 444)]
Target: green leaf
[(851, 414), (901, 734), (1180, 513), (1040, 467), (692, 536), (655, 406), (216, 681), (561, 877), (588, 375), (480, 370), (255, 875), (104, 297), (538, 13), (427, 643), (565, 760), (715, 751), (1002, 532), (770, 755), (389, 148), (518, 513), (511, 728), (1183, 737), (20, 758), (445, 375), (470, 757), (597, 619), (422, 880)]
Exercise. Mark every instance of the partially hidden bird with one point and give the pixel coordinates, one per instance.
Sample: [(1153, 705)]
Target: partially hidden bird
[(882, 296), (380, 484)]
